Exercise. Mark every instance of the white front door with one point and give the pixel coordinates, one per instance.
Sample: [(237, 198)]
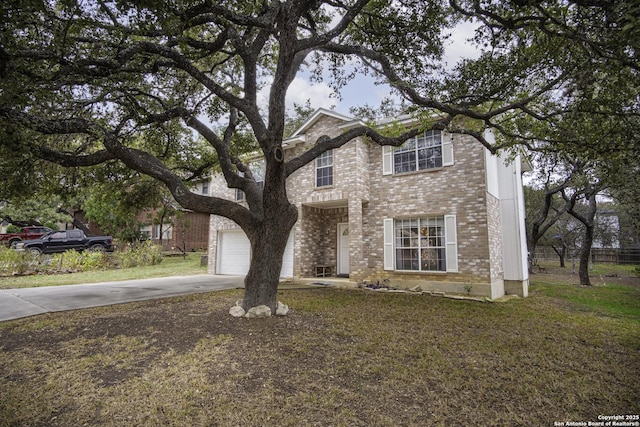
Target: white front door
[(343, 249)]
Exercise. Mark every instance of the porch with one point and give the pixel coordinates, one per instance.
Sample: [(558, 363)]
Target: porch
[(330, 243)]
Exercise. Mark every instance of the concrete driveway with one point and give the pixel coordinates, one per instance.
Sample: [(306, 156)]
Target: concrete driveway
[(18, 303)]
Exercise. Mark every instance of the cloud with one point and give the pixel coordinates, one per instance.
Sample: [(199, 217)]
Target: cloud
[(460, 46), (301, 90)]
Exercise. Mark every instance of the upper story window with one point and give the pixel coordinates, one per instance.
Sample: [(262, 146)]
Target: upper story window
[(419, 153), (257, 170), (324, 169), (205, 188)]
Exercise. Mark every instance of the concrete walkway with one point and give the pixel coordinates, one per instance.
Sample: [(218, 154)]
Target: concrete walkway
[(18, 303)]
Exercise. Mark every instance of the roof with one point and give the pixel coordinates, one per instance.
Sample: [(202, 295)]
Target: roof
[(317, 115), (298, 136)]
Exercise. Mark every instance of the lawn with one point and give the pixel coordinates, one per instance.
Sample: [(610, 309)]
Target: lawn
[(170, 266), (340, 358)]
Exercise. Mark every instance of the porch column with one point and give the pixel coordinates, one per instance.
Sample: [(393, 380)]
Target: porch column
[(356, 237)]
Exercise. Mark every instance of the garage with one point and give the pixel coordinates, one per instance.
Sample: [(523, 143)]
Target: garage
[(234, 254)]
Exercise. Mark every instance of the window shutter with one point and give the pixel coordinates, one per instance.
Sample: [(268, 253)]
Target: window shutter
[(447, 149), (387, 160), (388, 244), (451, 242)]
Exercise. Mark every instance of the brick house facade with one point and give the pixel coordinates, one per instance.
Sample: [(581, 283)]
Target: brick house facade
[(441, 212), (187, 231)]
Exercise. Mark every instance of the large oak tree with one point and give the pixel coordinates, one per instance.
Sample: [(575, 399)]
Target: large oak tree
[(83, 83)]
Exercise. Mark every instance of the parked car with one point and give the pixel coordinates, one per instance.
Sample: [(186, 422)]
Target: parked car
[(65, 240), (26, 233)]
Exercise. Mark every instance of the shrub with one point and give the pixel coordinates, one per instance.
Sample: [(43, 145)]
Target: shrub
[(83, 261), (14, 262), (145, 253)]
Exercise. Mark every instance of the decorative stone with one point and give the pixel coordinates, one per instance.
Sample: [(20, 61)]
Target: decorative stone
[(282, 309), (258, 312), (237, 311)]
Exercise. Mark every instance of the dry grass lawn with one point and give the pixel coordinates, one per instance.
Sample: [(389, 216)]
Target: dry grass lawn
[(341, 358)]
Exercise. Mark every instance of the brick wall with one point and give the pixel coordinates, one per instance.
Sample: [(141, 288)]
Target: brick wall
[(190, 232), (363, 197), (454, 190)]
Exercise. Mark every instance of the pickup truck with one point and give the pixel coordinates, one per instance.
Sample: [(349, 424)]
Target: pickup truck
[(27, 233), (66, 240)]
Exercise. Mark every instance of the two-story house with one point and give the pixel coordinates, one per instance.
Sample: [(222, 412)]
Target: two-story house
[(440, 212)]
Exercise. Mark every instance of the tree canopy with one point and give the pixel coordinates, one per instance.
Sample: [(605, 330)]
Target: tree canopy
[(84, 83)]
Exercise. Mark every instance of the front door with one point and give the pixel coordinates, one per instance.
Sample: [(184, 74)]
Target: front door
[(343, 249)]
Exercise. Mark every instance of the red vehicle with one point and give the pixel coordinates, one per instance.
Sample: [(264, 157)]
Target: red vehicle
[(27, 233)]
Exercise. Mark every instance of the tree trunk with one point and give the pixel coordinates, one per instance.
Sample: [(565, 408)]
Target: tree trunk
[(585, 255), (561, 254), (531, 254), (589, 225), (268, 242)]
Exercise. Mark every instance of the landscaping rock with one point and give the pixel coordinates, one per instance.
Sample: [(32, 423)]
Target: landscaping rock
[(258, 312), (282, 309), (237, 311)]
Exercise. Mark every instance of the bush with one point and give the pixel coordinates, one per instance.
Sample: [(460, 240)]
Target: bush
[(13, 229), (83, 261), (145, 253), (13, 262)]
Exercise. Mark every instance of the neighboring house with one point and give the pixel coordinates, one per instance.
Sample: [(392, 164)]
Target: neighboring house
[(440, 212), (607, 233), (186, 231)]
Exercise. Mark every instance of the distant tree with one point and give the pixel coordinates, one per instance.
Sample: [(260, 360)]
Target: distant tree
[(116, 208), (544, 203), (34, 212)]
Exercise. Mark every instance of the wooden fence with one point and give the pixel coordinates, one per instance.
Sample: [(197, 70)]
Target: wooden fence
[(598, 255)]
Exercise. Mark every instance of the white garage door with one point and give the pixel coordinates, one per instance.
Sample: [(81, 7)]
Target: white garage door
[(234, 254)]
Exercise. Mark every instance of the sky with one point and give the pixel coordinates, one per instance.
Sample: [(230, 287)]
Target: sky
[(362, 89)]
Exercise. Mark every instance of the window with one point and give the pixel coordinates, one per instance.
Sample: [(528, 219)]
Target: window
[(257, 170), (58, 235), (164, 231), (205, 188), (324, 169), (420, 244), (419, 153)]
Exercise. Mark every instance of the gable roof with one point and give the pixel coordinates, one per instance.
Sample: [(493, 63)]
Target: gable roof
[(317, 115), (298, 136)]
